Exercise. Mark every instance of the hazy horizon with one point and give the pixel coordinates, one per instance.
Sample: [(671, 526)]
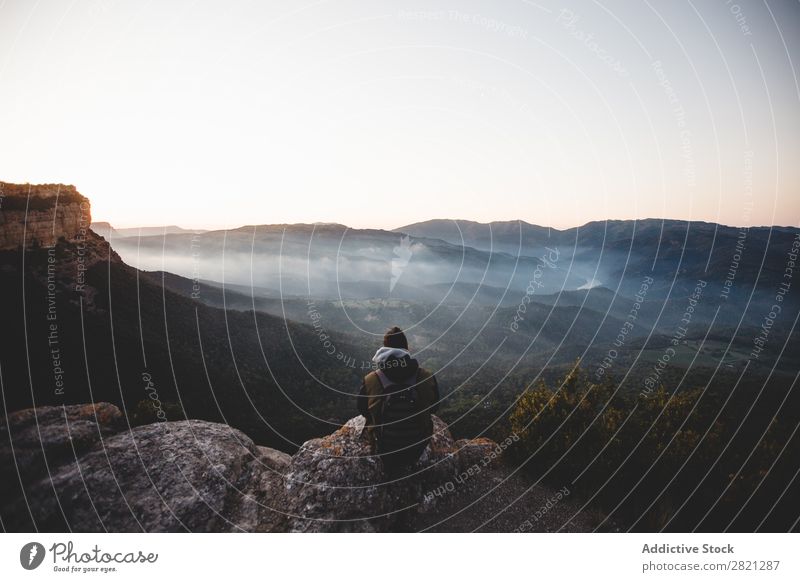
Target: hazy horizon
[(399, 226)]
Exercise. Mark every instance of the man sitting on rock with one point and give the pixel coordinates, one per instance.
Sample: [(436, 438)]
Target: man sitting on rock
[(397, 399)]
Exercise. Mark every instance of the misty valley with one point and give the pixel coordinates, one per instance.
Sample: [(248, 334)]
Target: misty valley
[(492, 307)]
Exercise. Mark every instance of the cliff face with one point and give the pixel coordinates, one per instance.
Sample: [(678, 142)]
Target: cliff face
[(41, 214), (51, 222)]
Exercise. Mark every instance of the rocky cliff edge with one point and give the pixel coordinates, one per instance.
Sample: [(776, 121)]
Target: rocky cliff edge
[(81, 468)]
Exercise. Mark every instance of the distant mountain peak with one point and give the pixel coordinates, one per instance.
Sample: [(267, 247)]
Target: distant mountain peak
[(106, 230)]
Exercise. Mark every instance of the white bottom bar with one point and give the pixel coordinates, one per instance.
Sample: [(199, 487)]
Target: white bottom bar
[(333, 557)]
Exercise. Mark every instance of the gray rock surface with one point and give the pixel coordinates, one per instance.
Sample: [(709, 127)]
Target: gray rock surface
[(335, 484), (200, 476), (37, 439), (171, 476)]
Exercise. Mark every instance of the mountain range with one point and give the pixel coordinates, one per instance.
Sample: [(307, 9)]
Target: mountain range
[(490, 306)]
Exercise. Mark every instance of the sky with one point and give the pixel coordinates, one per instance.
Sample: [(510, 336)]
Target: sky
[(379, 114)]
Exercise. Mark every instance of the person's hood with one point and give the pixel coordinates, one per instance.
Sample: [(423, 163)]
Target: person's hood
[(396, 363), (385, 353)]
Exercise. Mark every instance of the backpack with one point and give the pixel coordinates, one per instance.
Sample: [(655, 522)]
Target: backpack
[(400, 410)]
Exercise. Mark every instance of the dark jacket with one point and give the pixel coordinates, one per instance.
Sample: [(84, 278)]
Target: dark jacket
[(401, 371)]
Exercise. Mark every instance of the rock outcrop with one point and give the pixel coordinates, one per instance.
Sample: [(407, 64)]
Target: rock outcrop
[(41, 214), (52, 223), (82, 468), (335, 484), (48, 437)]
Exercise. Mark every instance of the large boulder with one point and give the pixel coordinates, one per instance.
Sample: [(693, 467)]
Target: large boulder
[(36, 441), (171, 476), (335, 483)]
